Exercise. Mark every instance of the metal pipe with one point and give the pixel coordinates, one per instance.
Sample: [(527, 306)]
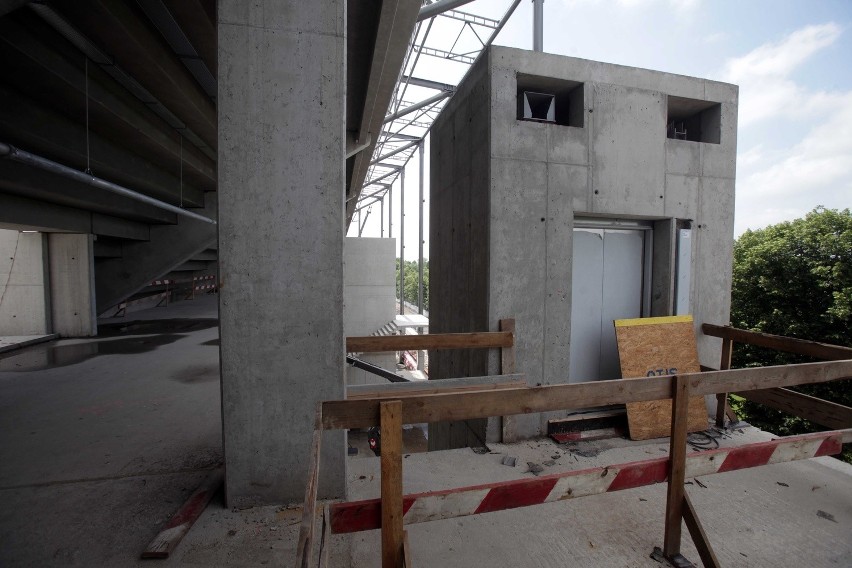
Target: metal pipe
[(382, 219), (9, 152), (420, 244), (370, 368), (538, 25), (439, 7), (429, 84), (402, 242), (390, 213)]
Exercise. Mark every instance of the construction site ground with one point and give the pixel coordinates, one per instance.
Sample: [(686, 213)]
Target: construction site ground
[(103, 439)]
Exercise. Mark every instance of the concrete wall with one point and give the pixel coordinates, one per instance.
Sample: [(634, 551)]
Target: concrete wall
[(281, 144), (618, 164), (72, 285), (459, 240), (369, 298), (24, 284)]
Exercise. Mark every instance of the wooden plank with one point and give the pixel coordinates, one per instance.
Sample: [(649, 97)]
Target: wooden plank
[(176, 528), (654, 347), (437, 390), (434, 386), (677, 466), (816, 410), (814, 349), (722, 397), (699, 537), (509, 427), (391, 467), (499, 496), (304, 558), (325, 545), (343, 414), (478, 340), (406, 551)]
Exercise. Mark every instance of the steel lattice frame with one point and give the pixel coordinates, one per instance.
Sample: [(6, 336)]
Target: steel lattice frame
[(418, 99)]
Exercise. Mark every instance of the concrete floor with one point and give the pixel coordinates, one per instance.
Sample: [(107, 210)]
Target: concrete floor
[(103, 439)]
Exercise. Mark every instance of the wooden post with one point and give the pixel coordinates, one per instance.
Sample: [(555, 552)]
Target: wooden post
[(507, 354), (722, 397), (304, 553), (677, 466), (507, 367), (392, 534)]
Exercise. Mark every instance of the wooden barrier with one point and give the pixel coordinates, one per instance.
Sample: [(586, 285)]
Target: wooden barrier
[(813, 409), (392, 414), (379, 343)]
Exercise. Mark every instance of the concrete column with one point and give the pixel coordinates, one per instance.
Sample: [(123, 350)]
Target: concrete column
[(72, 284), (24, 290), (281, 106)]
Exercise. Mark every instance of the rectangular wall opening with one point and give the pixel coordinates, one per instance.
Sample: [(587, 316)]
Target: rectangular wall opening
[(545, 99), (694, 120)]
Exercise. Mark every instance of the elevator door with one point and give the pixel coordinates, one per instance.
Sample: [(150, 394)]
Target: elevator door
[(607, 284)]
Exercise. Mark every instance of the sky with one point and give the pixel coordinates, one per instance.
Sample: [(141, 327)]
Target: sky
[(792, 61)]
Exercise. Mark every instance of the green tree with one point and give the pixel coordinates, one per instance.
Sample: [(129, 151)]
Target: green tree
[(411, 282), (794, 279)]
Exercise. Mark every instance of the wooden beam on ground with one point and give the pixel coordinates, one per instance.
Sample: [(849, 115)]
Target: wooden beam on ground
[(343, 414), (304, 556), (451, 503), (180, 523), (699, 537), (480, 340), (816, 410), (415, 388), (391, 466), (677, 466), (814, 349)]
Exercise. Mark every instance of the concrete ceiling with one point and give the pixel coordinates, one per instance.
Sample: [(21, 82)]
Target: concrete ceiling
[(151, 123)]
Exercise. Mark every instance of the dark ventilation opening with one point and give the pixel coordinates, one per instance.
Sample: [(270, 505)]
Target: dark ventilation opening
[(545, 99), (694, 120), (538, 106)]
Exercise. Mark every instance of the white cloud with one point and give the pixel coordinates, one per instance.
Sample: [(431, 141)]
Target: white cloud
[(815, 171), (766, 89), (779, 184), (781, 58)]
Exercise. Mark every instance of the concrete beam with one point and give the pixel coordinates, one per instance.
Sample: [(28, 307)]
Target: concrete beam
[(168, 247), (281, 236), (37, 65), (23, 214), (117, 27), (396, 23), (37, 129), (72, 285)]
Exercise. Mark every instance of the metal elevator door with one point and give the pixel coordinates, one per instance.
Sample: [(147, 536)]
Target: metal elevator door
[(607, 283)]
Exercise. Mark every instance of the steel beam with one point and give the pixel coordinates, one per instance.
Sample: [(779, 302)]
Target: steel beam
[(417, 106), (439, 7)]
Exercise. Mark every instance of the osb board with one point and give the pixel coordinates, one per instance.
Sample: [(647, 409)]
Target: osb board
[(650, 347)]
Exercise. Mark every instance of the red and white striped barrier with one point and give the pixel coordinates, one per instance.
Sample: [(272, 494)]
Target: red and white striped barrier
[(161, 282), (366, 515)]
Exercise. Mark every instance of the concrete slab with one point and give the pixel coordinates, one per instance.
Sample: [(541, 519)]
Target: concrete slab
[(13, 342), (99, 452), (775, 515)]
